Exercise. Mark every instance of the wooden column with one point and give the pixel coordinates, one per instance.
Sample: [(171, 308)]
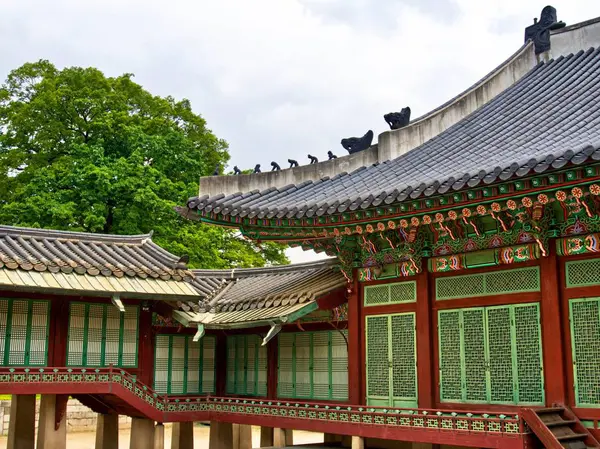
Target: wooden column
[(355, 353), (146, 346), (21, 428), (283, 437), (183, 435), (266, 437), (142, 433), (358, 443), (272, 360), (107, 431), (221, 435), (58, 332), (552, 334), (221, 364), (425, 335), (242, 436), (159, 436), (52, 427)]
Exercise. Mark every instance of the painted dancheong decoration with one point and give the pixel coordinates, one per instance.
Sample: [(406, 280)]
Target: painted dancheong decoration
[(460, 304)]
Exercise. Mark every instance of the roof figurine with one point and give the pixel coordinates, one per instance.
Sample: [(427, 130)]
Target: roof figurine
[(331, 155), (275, 166), (313, 160), (293, 163), (356, 144), (398, 120), (539, 32), (257, 168), (236, 170), (217, 170)]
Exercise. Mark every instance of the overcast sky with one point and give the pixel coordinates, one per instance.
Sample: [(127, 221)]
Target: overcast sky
[(279, 79)]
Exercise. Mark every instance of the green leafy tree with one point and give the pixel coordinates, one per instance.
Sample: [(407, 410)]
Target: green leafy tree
[(83, 152)]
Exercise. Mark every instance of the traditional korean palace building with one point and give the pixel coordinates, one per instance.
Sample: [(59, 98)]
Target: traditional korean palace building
[(460, 308)]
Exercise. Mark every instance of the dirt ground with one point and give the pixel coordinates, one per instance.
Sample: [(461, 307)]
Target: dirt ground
[(86, 440)]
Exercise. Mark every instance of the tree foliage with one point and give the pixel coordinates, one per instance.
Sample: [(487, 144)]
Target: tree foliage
[(84, 152)]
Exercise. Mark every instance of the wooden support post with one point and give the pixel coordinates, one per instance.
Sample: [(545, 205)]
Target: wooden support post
[(183, 435), (272, 359), (552, 334), (242, 436), (425, 331), (355, 354), (266, 437), (52, 427), (21, 428), (142, 433), (332, 438), (358, 443), (159, 436), (221, 435), (283, 437), (146, 346), (221, 364), (107, 431)]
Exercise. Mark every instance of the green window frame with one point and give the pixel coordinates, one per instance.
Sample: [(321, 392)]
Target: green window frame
[(101, 335), (246, 366), (391, 360), (184, 366), (313, 365), (391, 293), (24, 326), (491, 355), (582, 273), (519, 280), (584, 318)]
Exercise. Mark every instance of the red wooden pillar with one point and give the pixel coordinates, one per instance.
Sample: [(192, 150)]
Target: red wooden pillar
[(425, 335), (272, 361), (146, 346), (58, 332), (552, 341), (221, 364), (355, 353)]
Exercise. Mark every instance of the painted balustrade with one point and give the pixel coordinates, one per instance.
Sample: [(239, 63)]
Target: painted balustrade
[(172, 408)]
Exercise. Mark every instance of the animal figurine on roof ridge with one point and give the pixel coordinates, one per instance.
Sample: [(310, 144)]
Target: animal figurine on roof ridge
[(356, 144), (398, 120)]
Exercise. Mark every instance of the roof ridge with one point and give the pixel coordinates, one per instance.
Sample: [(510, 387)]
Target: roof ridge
[(234, 273), (88, 236)]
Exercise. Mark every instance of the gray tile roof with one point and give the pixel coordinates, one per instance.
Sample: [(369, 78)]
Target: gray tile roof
[(40, 250), (262, 288), (546, 120)]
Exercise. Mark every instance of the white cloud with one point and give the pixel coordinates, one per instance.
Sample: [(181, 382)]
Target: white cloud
[(281, 78)]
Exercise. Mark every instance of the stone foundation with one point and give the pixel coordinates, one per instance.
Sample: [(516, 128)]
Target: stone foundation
[(79, 417)]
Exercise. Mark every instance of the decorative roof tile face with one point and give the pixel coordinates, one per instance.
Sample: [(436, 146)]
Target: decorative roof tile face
[(546, 120), (88, 254), (261, 288)]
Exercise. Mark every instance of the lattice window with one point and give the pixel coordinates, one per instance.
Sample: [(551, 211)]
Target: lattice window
[(491, 355), (404, 358), (585, 341), (391, 360), (520, 280), (500, 355), (473, 324), (399, 292), (313, 365), (246, 365), (529, 350), (378, 349), (23, 332), (580, 273), (100, 335), (450, 356), (183, 366)]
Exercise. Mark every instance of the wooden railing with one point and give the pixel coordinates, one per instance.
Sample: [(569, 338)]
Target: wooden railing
[(478, 429)]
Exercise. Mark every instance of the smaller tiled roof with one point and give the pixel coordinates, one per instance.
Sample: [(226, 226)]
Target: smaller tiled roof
[(91, 264), (86, 253), (265, 288)]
